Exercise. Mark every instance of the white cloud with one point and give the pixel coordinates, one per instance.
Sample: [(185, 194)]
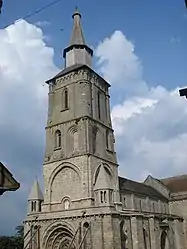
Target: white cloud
[(120, 65), (149, 123), (25, 63), (43, 23)]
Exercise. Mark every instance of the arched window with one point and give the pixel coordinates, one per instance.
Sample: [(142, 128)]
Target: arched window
[(66, 204), (105, 200), (65, 99), (101, 196), (75, 141), (32, 206), (40, 206), (57, 139)]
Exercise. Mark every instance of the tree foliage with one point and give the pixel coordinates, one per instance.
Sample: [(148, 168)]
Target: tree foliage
[(13, 242)]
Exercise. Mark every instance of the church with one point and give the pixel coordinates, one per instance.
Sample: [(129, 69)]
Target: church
[(85, 204)]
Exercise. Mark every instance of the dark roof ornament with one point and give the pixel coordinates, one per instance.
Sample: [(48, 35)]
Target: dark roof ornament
[(76, 12)]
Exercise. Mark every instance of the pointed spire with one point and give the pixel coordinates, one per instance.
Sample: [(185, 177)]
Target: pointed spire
[(103, 180), (36, 193), (77, 53), (77, 37)]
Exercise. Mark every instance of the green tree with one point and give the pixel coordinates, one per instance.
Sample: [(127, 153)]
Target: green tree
[(13, 242)]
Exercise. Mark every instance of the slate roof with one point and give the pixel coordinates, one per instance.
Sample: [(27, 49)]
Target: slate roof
[(139, 188), (77, 37), (36, 193), (73, 68), (175, 184), (102, 181)]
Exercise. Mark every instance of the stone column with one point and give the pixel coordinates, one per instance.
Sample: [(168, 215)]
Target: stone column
[(152, 233), (134, 230)]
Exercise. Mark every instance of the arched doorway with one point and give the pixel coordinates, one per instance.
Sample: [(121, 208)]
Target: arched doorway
[(59, 237), (164, 242), (65, 243)]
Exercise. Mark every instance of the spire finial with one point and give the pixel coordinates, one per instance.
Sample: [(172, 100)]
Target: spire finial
[(76, 12)]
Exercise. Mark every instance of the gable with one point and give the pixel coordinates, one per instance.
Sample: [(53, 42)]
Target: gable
[(139, 188), (158, 185)]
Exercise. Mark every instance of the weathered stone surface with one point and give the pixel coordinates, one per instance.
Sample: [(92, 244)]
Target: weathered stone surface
[(85, 205)]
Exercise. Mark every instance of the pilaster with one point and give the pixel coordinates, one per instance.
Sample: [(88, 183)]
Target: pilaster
[(134, 228), (152, 233)]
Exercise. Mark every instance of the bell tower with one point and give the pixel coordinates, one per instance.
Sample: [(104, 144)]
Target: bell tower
[(80, 167), (79, 135)]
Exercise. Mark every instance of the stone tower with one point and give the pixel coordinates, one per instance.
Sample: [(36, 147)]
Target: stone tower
[(81, 206), (81, 191)]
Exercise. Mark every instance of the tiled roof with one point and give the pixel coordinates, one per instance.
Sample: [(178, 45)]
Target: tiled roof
[(176, 184), (139, 188), (36, 193)]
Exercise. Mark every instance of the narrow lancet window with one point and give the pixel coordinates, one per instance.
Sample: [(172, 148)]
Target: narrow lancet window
[(101, 196), (32, 206), (57, 139), (105, 200), (65, 99), (66, 204)]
